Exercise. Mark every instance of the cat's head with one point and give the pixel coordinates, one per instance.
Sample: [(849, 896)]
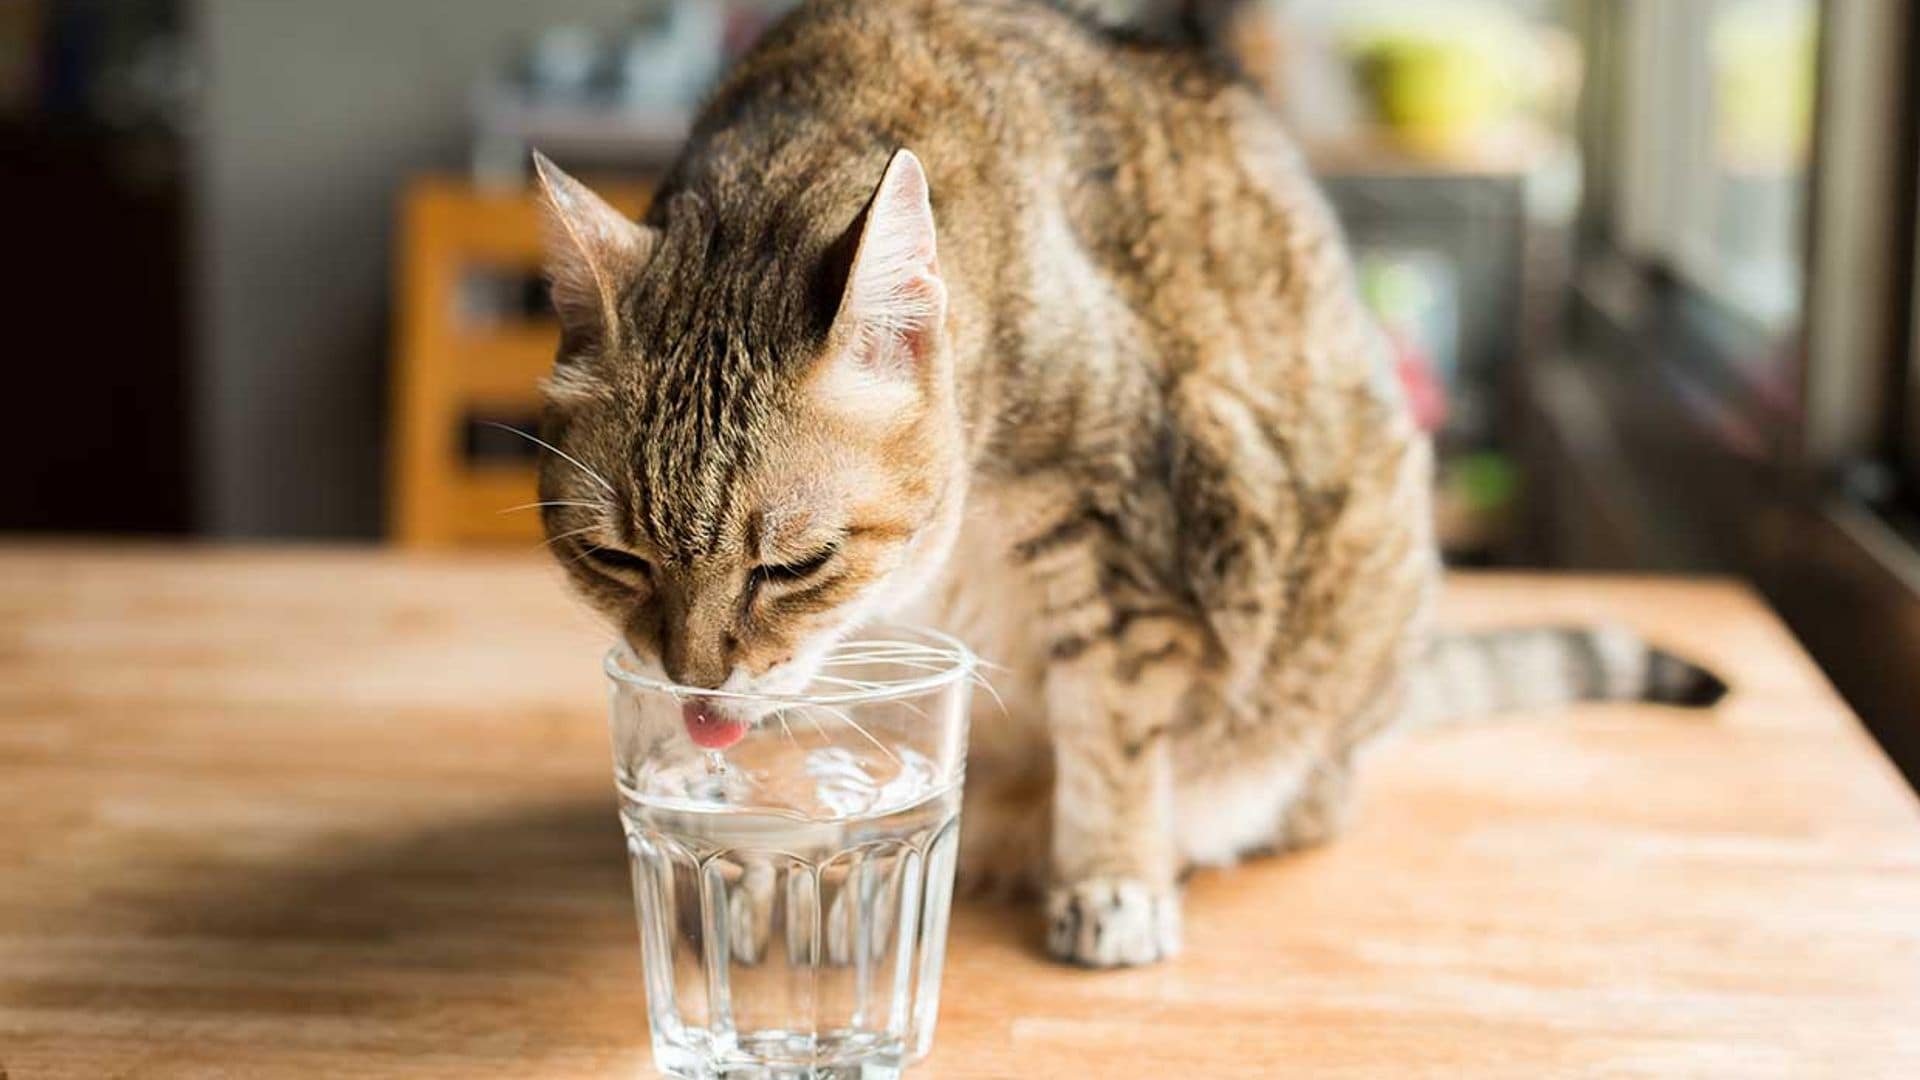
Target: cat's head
[(755, 440)]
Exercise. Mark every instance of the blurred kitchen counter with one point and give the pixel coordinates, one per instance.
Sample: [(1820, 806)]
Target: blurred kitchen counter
[(323, 812)]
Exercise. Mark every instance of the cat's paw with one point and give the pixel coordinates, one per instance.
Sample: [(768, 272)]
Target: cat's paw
[(1113, 922)]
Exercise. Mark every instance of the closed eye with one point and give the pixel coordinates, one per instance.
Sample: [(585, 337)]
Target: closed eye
[(620, 562), (796, 571)]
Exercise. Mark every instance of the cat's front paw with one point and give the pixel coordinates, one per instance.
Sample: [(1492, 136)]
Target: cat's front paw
[(1113, 922)]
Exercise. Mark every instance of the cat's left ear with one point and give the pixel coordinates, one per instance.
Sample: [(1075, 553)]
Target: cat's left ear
[(593, 251), (895, 301)]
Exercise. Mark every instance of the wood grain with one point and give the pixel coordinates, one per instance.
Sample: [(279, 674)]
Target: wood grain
[(311, 812)]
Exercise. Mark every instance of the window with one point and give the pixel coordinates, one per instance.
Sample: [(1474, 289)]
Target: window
[(1715, 127)]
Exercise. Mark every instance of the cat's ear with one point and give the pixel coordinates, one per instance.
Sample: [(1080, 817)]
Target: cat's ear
[(593, 251), (895, 301)]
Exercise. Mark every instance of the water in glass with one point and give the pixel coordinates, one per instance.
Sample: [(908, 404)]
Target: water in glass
[(793, 892)]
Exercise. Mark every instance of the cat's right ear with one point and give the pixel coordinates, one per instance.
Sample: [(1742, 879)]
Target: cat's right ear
[(883, 351), (593, 251), (895, 301)]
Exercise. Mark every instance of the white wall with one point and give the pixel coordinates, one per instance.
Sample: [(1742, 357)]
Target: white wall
[(314, 115)]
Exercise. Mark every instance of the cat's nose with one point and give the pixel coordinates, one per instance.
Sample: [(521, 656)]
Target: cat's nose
[(697, 637), (690, 665), (693, 676)]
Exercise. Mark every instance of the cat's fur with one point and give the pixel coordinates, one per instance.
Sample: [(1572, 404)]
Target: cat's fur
[(1084, 378)]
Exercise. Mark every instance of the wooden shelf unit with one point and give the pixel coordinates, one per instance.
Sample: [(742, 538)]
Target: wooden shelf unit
[(452, 364)]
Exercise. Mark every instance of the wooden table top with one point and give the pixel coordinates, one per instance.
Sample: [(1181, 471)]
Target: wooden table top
[(313, 812)]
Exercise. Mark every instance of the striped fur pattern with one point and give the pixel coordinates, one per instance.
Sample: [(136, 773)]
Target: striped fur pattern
[(1466, 677), (979, 312)]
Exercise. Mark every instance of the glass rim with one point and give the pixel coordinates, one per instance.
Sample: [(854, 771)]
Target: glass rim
[(965, 663)]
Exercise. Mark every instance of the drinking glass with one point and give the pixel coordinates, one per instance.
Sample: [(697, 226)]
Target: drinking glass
[(793, 858)]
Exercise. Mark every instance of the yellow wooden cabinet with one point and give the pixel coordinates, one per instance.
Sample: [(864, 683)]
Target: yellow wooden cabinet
[(455, 365)]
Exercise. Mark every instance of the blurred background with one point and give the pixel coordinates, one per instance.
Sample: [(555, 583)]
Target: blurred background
[(1648, 266)]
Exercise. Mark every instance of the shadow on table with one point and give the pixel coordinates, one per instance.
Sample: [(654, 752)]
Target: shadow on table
[(542, 889), (490, 892)]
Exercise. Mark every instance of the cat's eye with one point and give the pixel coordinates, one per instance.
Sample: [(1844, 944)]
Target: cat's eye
[(796, 571), (621, 562)]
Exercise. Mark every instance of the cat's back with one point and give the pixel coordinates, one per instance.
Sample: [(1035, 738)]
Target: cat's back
[(1155, 160), (964, 82), (1155, 154), (1113, 211)]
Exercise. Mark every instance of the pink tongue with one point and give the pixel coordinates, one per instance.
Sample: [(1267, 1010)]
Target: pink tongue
[(710, 730)]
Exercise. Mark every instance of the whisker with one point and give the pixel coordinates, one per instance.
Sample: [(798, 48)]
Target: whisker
[(844, 656), (899, 662), (585, 552), (857, 684), (873, 653), (570, 534), (895, 646), (880, 649), (575, 462), (900, 659), (554, 502), (982, 682), (908, 655), (852, 723)]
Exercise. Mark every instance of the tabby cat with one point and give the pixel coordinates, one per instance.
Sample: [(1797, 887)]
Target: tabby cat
[(987, 314)]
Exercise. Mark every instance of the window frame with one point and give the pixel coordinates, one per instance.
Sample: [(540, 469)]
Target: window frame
[(1669, 187), (1747, 374), (1796, 487)]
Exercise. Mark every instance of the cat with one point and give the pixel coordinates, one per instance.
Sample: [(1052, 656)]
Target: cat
[(993, 315)]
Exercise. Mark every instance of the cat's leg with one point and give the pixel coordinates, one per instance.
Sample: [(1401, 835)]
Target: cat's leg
[(750, 914), (1114, 898), (1322, 809), (1117, 659), (1325, 803), (1003, 848), (1009, 798)]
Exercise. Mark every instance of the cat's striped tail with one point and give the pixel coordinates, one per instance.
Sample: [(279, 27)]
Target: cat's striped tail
[(1475, 676)]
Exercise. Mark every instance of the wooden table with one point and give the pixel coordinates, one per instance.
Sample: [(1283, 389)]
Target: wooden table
[(273, 813)]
